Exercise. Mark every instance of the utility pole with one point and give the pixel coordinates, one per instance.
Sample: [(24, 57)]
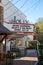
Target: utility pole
[(1, 12), (1, 22)]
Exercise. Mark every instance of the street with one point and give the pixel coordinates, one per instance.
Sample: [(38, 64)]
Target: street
[(29, 59), (25, 61)]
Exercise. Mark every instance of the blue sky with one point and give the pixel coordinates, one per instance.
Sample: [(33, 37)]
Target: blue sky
[(33, 9)]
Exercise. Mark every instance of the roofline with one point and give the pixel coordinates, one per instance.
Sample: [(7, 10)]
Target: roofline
[(19, 23), (18, 9)]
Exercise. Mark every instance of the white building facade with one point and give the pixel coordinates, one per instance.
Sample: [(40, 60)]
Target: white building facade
[(11, 12), (11, 16), (23, 32)]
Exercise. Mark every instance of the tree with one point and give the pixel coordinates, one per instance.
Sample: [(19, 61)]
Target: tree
[(39, 30), (39, 37), (39, 25)]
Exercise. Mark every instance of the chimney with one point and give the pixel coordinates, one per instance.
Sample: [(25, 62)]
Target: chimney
[(1, 12), (14, 18)]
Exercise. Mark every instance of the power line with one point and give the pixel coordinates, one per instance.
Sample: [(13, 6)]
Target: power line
[(10, 1), (21, 7), (24, 3), (17, 9), (11, 5), (12, 14), (34, 7), (31, 6), (7, 3), (17, 1)]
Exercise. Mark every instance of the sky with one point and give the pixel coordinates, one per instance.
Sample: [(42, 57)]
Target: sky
[(33, 9)]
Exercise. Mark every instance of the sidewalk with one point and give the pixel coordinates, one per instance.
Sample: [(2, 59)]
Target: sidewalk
[(25, 61), (29, 59)]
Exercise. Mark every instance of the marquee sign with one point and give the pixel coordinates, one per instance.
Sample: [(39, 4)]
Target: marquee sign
[(23, 27)]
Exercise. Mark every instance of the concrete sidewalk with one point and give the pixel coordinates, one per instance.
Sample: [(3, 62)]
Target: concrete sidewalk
[(21, 61), (28, 58), (25, 61)]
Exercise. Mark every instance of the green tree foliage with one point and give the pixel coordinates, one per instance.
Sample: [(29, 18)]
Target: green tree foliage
[(39, 25), (39, 30), (39, 37)]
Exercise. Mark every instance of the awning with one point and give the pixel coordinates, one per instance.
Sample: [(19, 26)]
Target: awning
[(4, 30)]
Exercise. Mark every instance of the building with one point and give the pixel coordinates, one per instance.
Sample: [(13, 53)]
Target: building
[(12, 13), (23, 32), (16, 22)]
